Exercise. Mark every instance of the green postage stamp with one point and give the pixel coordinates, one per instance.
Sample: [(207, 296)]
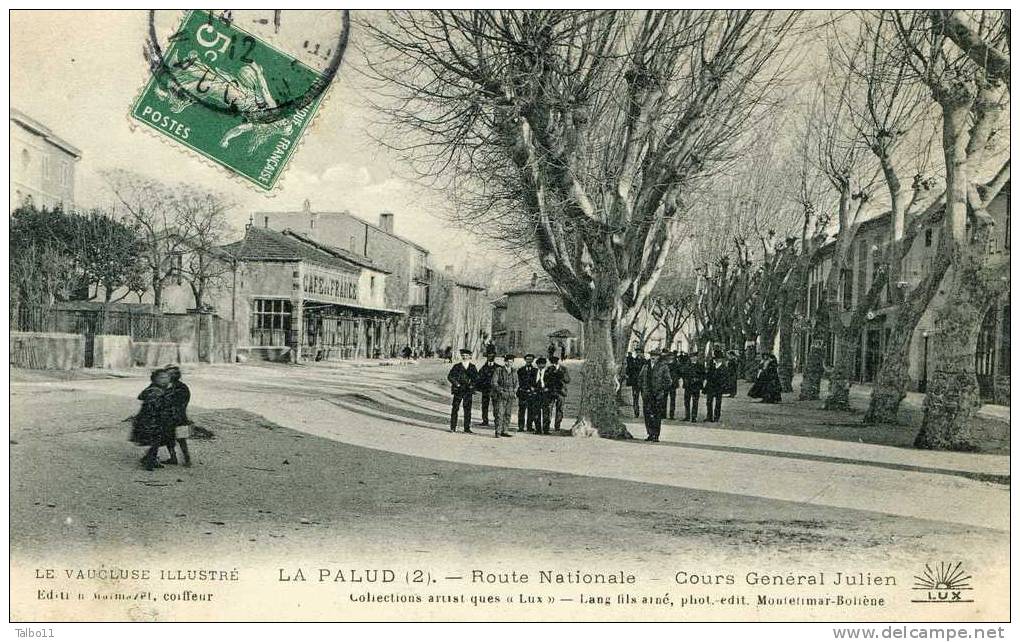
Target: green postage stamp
[(230, 96)]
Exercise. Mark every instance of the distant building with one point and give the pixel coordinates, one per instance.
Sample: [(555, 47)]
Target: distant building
[(459, 313), (407, 263), (42, 165), (531, 316)]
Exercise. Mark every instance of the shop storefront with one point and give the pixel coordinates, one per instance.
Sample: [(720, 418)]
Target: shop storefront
[(308, 301)]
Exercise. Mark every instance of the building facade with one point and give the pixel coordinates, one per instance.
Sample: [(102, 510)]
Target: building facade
[(406, 262), (460, 316), (300, 299), (870, 249), (531, 316), (42, 165)]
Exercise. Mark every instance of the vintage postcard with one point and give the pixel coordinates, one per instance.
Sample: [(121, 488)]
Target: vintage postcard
[(511, 315)]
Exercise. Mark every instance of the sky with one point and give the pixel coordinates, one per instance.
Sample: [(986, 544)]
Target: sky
[(81, 79)]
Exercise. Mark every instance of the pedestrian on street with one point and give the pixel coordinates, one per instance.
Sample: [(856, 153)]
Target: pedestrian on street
[(767, 386), (179, 426), (716, 378), (525, 389), (538, 412), (677, 365), (463, 377), (504, 382), (633, 373), (694, 380), (551, 350), (149, 426), (655, 381), (485, 383), (732, 372), (556, 378)]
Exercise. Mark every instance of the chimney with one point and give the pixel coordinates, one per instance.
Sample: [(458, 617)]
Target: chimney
[(534, 279), (386, 221)]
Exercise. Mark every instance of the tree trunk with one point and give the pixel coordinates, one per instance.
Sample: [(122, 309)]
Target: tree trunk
[(953, 395), (598, 380), (814, 368), (786, 348), (893, 376), (847, 343)]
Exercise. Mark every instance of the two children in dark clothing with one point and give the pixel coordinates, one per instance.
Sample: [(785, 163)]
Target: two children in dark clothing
[(163, 418)]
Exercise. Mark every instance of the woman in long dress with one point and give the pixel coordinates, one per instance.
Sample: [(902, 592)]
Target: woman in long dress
[(767, 386)]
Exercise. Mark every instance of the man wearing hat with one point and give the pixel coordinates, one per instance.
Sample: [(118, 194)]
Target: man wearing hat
[(655, 381), (484, 385), (525, 389), (463, 378), (634, 369), (716, 375), (694, 379), (538, 413), (504, 382), (556, 380)]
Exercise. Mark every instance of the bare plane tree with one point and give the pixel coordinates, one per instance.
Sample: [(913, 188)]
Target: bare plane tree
[(962, 57), (579, 133)]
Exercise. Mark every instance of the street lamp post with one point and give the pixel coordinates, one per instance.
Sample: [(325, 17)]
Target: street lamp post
[(923, 387)]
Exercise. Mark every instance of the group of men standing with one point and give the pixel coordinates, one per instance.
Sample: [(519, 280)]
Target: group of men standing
[(654, 385), (540, 388)]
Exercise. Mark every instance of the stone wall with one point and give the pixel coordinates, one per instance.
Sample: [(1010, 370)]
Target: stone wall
[(47, 350)]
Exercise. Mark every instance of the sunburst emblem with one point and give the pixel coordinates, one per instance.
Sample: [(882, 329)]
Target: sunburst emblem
[(944, 582)]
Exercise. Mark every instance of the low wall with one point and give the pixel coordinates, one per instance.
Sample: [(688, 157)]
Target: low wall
[(47, 350), (154, 353), (112, 351)]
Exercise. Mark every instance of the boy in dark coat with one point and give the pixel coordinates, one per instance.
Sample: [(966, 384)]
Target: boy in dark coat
[(179, 428), (462, 378)]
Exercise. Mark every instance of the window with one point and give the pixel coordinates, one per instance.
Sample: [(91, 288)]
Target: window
[(927, 237), (354, 244), (271, 314), (371, 286), (25, 159)]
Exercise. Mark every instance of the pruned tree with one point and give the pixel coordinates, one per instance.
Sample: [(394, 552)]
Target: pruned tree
[(672, 302), (891, 75), (962, 57), (843, 159), (579, 134)]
